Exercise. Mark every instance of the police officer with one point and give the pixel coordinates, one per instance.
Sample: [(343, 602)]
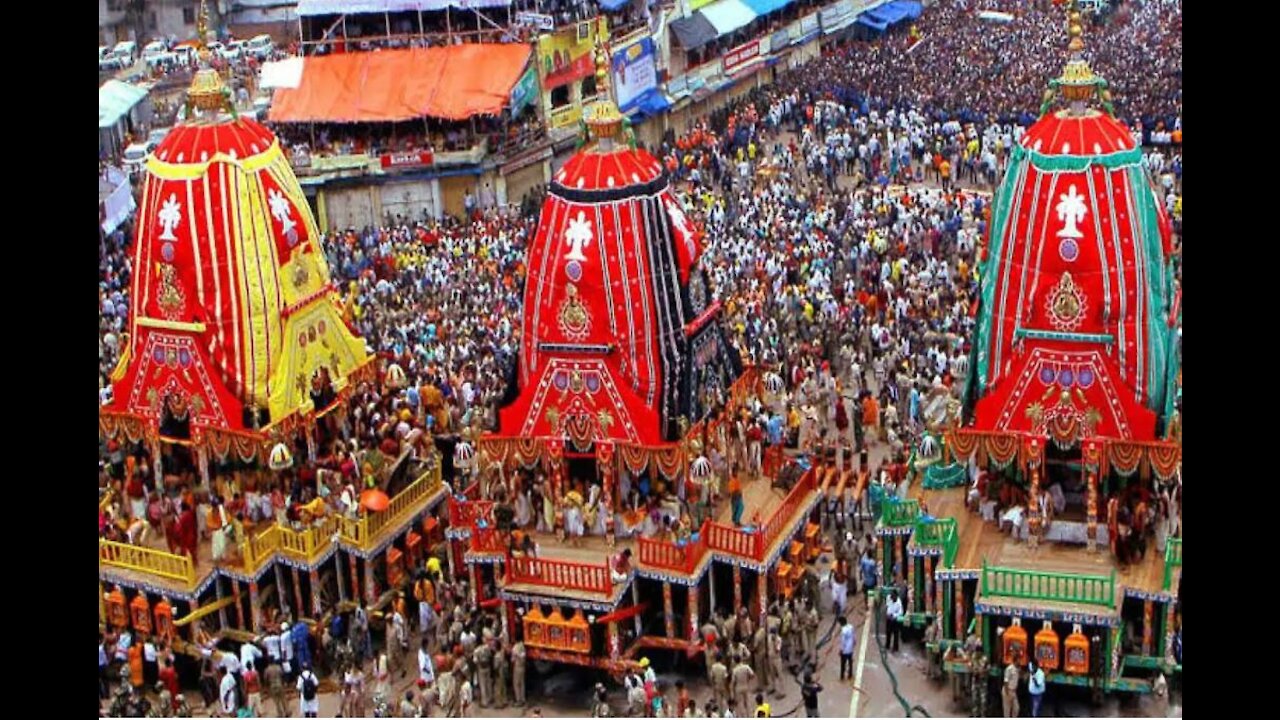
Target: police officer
[(810, 621), (978, 682), (760, 651), (720, 681), (1009, 691), (517, 671), (483, 659), (743, 676), (501, 675)]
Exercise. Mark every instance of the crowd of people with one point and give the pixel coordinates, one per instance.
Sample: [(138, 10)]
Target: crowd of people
[(971, 69), (843, 206)]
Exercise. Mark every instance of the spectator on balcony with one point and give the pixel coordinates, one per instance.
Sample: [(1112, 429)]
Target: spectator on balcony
[(620, 568)]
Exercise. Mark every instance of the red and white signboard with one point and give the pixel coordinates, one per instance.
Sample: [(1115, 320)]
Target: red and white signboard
[(407, 159), (740, 56)]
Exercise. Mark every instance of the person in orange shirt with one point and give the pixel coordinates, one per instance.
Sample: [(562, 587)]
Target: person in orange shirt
[(135, 665), (735, 498), (871, 415)]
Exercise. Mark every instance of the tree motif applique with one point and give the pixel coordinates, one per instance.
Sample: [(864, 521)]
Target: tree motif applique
[(577, 236), (1071, 210), (169, 216), (282, 211)]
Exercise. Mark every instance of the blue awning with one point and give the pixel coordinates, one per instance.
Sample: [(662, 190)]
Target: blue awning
[(764, 7), (612, 5), (866, 20), (652, 102), (895, 12)]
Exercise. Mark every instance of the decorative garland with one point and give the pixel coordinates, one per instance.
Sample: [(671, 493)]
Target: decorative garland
[(1002, 449), (1124, 458), (963, 445)]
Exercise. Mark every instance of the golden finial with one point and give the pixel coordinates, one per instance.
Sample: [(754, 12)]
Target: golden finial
[(603, 120), (1074, 30), (1077, 82), (207, 91)]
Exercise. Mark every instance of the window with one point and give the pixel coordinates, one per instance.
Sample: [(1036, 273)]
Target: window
[(589, 86), (151, 20), (188, 16), (560, 96)]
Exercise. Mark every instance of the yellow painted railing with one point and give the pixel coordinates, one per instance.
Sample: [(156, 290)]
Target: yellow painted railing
[(258, 549), (307, 544), (146, 560), (362, 532)]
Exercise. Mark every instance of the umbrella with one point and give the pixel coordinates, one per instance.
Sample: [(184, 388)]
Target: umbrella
[(374, 500)]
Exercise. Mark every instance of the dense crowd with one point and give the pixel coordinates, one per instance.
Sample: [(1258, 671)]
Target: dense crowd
[(974, 70)]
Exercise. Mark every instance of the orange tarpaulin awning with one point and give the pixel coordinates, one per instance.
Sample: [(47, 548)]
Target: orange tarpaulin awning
[(452, 83)]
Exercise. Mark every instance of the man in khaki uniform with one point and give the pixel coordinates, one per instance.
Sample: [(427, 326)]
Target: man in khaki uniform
[(743, 676), (1009, 693), (810, 620), (274, 676), (482, 657), (775, 661), (517, 671), (501, 675), (760, 651), (720, 682)]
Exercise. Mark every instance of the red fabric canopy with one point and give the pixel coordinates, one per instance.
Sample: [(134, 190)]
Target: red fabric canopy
[(453, 83)]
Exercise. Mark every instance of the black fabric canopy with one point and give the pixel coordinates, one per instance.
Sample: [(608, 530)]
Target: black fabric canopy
[(694, 31)]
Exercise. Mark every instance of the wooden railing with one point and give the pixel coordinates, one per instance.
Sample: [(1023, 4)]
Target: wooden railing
[(753, 545), (363, 531), (665, 555), (465, 514), (899, 513), (1055, 587), (731, 540), (488, 540), (941, 534), (258, 549), (147, 560), (561, 575), (1172, 559), (781, 518), (307, 544)]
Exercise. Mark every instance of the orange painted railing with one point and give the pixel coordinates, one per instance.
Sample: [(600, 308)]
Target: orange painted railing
[(777, 524), (465, 514), (731, 540), (665, 555), (561, 574), (487, 540), (753, 545)]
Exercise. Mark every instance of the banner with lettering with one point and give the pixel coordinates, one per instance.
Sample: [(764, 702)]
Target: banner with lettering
[(569, 54), (407, 159), (634, 72), (740, 56)]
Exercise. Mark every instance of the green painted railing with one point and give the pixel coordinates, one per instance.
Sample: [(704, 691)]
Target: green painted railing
[(901, 513), (1055, 587), (950, 543), (939, 533), (1172, 559)]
